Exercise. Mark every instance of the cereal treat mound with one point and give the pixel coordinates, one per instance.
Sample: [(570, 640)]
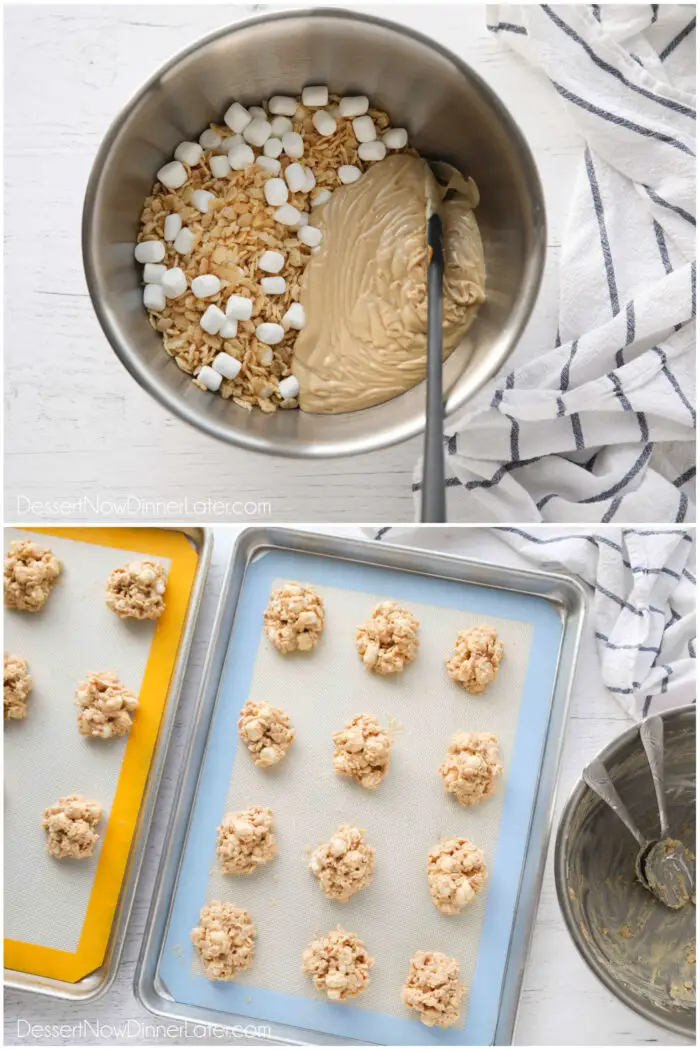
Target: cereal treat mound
[(294, 618), (433, 989), (474, 663), (344, 865), (245, 840), (389, 639), (135, 592), (225, 940), (456, 872), (17, 687), (471, 767), (338, 964), (31, 571), (266, 731), (362, 751), (105, 706), (70, 826)]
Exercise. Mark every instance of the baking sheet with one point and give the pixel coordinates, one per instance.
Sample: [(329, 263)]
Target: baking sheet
[(47, 902), (409, 812)]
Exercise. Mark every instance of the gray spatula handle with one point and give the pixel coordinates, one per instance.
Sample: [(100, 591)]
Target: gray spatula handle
[(651, 732), (433, 491), (598, 779)]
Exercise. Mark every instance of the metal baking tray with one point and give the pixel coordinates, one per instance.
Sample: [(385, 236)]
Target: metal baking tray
[(100, 980), (562, 594)]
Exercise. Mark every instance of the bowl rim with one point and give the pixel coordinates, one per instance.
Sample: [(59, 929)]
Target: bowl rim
[(175, 404), (600, 972)]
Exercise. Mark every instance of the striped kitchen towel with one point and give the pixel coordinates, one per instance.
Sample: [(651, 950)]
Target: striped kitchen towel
[(599, 426), (642, 588)]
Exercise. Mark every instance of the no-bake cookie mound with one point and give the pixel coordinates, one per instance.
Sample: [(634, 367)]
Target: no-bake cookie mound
[(135, 591), (471, 767), (17, 685), (266, 731), (433, 989), (70, 827), (31, 572), (294, 618), (105, 706), (344, 864), (477, 654), (225, 940), (362, 751), (338, 964), (245, 840), (388, 641), (456, 873)]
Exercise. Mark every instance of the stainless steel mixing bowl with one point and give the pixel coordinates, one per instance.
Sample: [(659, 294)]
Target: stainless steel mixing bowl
[(450, 114), (643, 952)]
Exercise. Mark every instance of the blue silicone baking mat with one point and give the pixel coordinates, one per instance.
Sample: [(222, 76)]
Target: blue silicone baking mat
[(408, 813)]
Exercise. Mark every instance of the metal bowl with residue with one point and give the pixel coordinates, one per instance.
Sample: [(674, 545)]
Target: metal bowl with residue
[(642, 951)]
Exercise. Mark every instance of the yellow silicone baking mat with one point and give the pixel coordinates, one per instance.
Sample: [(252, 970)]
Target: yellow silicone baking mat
[(58, 913)]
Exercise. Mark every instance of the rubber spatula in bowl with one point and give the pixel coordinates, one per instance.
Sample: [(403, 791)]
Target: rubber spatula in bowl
[(433, 491)]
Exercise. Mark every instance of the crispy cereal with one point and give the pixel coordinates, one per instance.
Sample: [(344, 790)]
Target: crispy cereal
[(433, 989), (266, 731), (225, 940), (105, 706), (17, 685), (456, 873), (477, 654), (245, 840), (343, 865), (338, 964), (294, 618), (471, 767), (136, 590), (362, 751), (70, 826), (31, 572), (388, 641)]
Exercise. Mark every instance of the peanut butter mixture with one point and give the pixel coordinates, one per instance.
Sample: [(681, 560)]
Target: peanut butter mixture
[(364, 292)]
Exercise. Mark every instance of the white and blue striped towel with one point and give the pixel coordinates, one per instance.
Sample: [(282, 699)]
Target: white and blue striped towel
[(600, 425), (642, 588)]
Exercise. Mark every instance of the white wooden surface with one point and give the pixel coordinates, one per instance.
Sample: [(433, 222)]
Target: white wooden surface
[(561, 1003), (77, 424)]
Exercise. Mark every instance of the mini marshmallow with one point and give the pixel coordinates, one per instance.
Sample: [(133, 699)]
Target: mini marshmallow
[(271, 262), (276, 192), (201, 199), (348, 173), (295, 177), (240, 157), (257, 112), (210, 378), (395, 138), (237, 117), (364, 129), (229, 330), (239, 308), (174, 282), (274, 285), (209, 139), (310, 235), (279, 125), (288, 388), (273, 147), (153, 273), (269, 333), (212, 319), (320, 198), (258, 132), (219, 166), (288, 215), (295, 316), (228, 142), (282, 104), (206, 285), (226, 365), (303, 220), (184, 242), (374, 150), (314, 96), (324, 123), (172, 226), (266, 356), (173, 175), (154, 297), (293, 144), (149, 251), (189, 153), (270, 164), (353, 105), (310, 180)]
